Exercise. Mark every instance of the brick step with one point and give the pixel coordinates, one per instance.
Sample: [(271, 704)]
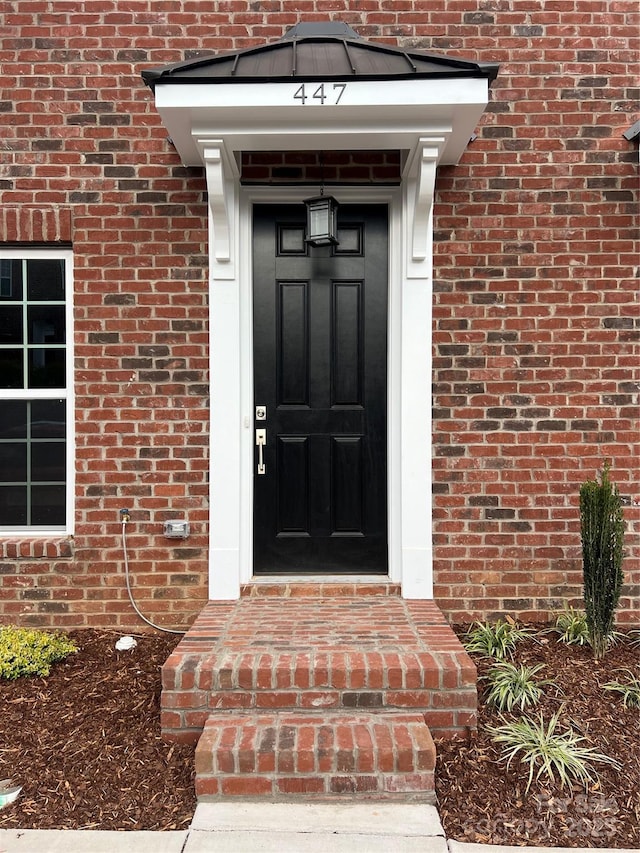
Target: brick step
[(389, 756), (437, 685)]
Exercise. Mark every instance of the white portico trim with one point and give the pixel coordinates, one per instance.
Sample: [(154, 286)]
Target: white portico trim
[(430, 122)]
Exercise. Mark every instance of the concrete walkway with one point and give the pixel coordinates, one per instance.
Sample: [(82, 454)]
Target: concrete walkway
[(246, 827)]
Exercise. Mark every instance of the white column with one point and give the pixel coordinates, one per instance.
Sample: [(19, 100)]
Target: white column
[(417, 547), (225, 378)]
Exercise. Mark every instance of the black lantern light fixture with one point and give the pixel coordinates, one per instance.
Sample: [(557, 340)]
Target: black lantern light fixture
[(322, 211)]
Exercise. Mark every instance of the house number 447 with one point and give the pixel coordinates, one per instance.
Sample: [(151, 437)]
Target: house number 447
[(322, 94)]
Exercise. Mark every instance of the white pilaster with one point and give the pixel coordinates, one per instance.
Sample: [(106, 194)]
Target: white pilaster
[(416, 370), (225, 373)]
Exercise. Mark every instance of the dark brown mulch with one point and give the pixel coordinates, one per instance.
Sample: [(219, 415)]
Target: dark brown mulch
[(85, 742), (483, 801)]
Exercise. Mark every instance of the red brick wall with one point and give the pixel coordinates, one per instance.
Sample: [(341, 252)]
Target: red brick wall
[(536, 319)]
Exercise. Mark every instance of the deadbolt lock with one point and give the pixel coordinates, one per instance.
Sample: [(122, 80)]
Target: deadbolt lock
[(261, 413)]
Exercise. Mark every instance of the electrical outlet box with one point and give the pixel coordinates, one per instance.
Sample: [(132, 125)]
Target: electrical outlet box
[(176, 529)]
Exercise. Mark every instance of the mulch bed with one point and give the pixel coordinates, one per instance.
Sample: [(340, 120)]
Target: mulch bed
[(85, 745), (85, 742), (483, 801)]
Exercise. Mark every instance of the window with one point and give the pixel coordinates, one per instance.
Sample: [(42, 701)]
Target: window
[(36, 422)]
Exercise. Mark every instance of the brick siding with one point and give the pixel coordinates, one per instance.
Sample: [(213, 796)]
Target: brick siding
[(536, 320)]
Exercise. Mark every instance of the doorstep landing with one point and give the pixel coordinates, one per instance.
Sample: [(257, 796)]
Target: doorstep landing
[(318, 648)]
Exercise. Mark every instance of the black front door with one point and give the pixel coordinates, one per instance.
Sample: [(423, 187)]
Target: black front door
[(320, 375)]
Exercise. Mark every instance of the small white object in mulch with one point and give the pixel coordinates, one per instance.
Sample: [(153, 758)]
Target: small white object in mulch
[(8, 792), (125, 644)]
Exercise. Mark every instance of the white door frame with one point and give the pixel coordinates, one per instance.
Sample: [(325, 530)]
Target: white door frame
[(408, 401)]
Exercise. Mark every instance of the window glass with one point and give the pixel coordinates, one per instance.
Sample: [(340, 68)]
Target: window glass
[(48, 461), (48, 505), (11, 368), (10, 279), (13, 423), (46, 324), (11, 329), (46, 368), (13, 505), (45, 280), (13, 462), (48, 419)]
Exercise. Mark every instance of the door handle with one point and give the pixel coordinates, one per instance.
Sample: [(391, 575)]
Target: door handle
[(261, 440)]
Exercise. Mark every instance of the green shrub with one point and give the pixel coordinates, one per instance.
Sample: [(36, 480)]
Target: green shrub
[(512, 686), (602, 535), (572, 627), (630, 689), (24, 651), (497, 641), (553, 752)]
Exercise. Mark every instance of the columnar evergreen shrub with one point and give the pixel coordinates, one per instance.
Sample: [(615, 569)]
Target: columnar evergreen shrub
[(602, 533)]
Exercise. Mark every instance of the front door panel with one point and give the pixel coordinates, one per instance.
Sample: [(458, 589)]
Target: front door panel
[(320, 368)]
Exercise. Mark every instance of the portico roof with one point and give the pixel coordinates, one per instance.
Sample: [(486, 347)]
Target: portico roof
[(321, 88), (325, 50)]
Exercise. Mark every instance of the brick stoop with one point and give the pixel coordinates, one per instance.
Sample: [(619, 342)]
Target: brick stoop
[(317, 652), (380, 755)]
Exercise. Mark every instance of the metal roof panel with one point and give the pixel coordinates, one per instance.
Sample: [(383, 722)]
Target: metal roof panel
[(319, 50)]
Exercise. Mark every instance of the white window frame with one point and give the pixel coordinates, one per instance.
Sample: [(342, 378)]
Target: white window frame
[(67, 393)]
